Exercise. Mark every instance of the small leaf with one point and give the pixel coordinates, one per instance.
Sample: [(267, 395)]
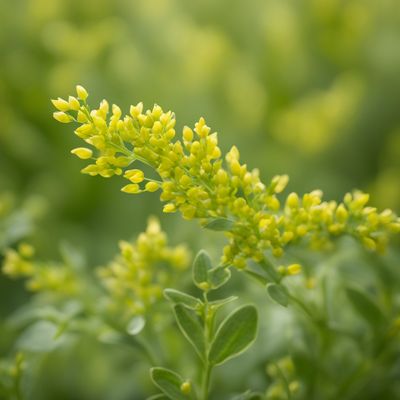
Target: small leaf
[(218, 276), (235, 334), (168, 382), (219, 224), (278, 293), (201, 266), (136, 325), (255, 275), (39, 337), (177, 297), (190, 325), (365, 306)]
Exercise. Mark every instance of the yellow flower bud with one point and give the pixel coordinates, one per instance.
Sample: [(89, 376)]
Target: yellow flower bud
[(82, 152), (292, 200), (169, 208), (186, 387), (134, 175), (131, 188), (341, 213), (81, 92), (61, 104), (280, 182), (26, 250), (74, 103), (187, 134), (235, 167), (294, 269), (62, 117), (152, 186)]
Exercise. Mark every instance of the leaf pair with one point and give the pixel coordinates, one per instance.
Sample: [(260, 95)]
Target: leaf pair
[(235, 334), (205, 276)]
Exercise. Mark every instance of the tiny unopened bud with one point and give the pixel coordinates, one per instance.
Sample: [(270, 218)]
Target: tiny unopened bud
[(294, 269), (62, 117), (81, 92), (82, 152)]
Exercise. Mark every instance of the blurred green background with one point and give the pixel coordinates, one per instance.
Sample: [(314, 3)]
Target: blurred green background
[(310, 88)]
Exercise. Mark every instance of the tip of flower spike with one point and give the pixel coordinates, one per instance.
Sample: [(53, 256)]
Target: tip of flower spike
[(82, 152), (81, 92)]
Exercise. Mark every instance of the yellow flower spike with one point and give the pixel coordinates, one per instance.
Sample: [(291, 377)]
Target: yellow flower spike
[(132, 188), (152, 186), (61, 104), (134, 175), (74, 103), (157, 127), (294, 269), (186, 387), (82, 152), (62, 117), (169, 208), (81, 92)]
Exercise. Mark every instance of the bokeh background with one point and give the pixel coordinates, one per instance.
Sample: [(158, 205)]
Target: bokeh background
[(310, 88)]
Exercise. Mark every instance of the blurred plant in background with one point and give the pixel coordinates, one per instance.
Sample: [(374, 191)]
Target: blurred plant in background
[(307, 88)]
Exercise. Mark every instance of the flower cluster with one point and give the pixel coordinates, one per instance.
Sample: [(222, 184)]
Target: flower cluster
[(59, 279), (196, 180), (135, 279)]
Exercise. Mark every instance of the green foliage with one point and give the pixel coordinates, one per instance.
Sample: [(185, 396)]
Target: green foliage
[(235, 334)]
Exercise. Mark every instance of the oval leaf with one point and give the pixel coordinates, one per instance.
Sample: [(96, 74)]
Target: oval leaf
[(201, 266), (278, 293), (168, 382), (236, 333), (218, 276), (219, 224), (136, 325), (177, 297), (365, 306), (190, 325)]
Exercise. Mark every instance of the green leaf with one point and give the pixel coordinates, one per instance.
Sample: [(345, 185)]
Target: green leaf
[(136, 325), (278, 293), (190, 325), (219, 224), (218, 276), (177, 297), (255, 275), (201, 266), (365, 306), (39, 337), (168, 382), (235, 334)]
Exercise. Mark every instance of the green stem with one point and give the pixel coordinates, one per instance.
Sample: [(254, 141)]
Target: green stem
[(207, 367)]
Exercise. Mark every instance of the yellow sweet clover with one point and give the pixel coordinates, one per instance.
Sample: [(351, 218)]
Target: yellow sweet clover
[(196, 181), (135, 279), (41, 277)]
